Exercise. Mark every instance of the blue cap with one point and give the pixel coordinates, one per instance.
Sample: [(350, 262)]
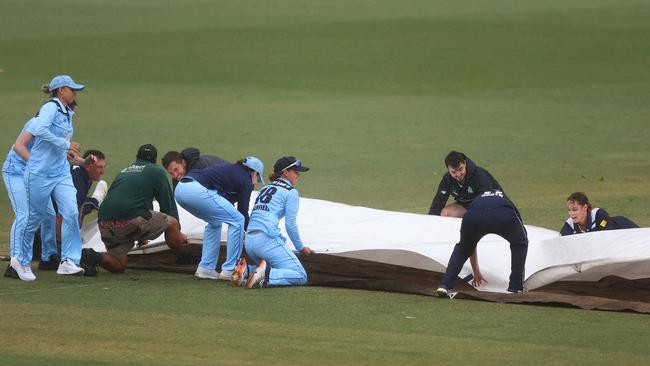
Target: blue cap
[(64, 80), (257, 165)]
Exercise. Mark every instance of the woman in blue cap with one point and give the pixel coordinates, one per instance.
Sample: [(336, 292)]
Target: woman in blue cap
[(277, 265), (13, 170), (209, 194), (47, 176)]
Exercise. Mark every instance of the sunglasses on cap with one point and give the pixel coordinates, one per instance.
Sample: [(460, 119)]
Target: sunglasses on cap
[(296, 164)]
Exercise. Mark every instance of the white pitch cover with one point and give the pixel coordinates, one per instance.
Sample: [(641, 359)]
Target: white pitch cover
[(426, 242)]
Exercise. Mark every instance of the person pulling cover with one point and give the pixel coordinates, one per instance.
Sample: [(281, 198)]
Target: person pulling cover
[(489, 213), (584, 218)]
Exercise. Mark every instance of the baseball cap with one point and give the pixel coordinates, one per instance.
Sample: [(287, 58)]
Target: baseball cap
[(65, 80), (257, 165), (289, 162), (147, 152)]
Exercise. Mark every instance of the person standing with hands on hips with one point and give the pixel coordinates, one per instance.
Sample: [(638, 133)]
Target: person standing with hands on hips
[(277, 265), (47, 176)]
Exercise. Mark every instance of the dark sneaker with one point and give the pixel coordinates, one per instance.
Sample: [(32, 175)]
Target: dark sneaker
[(11, 272), (49, 265), (90, 259)]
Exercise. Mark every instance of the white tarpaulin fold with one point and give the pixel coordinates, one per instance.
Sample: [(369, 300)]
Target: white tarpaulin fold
[(426, 242)]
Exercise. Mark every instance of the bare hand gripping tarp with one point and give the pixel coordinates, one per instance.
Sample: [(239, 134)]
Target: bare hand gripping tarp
[(361, 247)]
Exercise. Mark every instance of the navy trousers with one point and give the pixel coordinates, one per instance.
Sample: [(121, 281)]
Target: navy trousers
[(477, 223)]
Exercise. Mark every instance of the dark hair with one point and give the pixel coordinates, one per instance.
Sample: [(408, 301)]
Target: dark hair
[(45, 88), (98, 154), (147, 152), (454, 159), (579, 198), (241, 162), (171, 156)]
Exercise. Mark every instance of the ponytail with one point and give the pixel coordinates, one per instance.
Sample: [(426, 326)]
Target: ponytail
[(45, 88), (275, 175)]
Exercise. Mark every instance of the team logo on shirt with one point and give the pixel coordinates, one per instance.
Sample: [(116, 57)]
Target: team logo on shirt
[(283, 184), (492, 194), (133, 169)]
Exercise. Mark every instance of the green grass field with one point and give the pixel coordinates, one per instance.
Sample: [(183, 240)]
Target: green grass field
[(549, 96)]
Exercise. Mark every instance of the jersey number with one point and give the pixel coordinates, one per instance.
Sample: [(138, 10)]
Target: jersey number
[(265, 195)]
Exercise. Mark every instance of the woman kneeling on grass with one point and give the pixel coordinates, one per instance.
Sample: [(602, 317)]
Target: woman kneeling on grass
[(277, 265), (583, 218)]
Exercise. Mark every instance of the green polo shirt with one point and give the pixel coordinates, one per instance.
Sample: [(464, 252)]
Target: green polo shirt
[(133, 191)]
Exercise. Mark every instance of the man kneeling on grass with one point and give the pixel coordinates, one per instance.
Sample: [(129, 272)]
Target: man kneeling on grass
[(126, 216)]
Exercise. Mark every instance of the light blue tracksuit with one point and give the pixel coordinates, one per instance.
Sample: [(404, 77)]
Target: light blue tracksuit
[(12, 174), (211, 207), (263, 239), (48, 175)]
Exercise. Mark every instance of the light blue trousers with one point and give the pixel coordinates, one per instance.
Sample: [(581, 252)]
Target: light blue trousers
[(286, 269), (38, 191), (17, 195), (212, 208)]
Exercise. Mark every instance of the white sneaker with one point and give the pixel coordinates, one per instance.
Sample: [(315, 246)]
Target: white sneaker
[(100, 191), (226, 275), (24, 272), (258, 278), (69, 268), (205, 273), (445, 293), (442, 292)]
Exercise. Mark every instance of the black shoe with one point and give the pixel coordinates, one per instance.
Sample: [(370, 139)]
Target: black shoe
[(90, 259), (11, 272), (50, 265)]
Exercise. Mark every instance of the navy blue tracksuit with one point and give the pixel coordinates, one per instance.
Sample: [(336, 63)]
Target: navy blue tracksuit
[(477, 180), (597, 220), (490, 213)]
